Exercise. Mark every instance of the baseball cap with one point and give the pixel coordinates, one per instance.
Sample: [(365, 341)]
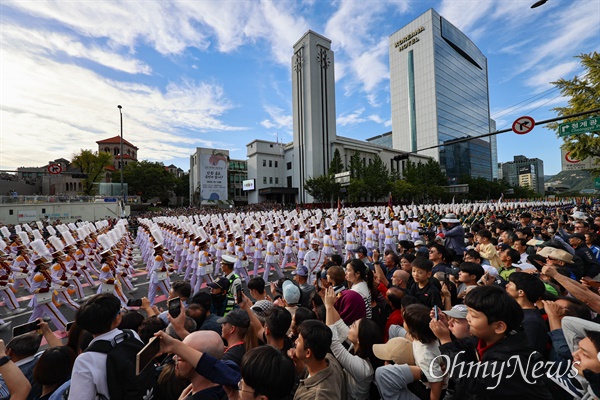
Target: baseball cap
[(323, 274), (361, 249), (221, 283), (459, 311), (261, 307), (315, 241), (301, 271), (236, 317), (419, 243), (579, 236), (291, 293), (398, 350)]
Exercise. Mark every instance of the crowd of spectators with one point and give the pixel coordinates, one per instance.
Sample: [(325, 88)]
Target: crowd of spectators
[(512, 313)]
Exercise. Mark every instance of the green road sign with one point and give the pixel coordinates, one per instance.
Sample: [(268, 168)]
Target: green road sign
[(578, 127), (597, 183)]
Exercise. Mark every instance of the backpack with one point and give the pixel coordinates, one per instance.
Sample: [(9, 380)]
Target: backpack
[(123, 383)]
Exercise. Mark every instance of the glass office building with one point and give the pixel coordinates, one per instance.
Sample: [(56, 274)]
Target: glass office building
[(523, 171), (439, 93), (384, 140)]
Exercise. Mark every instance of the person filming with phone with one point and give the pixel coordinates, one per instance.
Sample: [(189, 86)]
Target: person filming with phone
[(100, 315), (198, 359)]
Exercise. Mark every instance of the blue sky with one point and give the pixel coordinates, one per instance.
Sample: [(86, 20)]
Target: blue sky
[(217, 73)]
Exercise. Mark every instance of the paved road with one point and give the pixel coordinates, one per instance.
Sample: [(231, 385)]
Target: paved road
[(142, 284)]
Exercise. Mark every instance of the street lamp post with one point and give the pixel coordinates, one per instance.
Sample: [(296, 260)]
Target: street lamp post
[(121, 157), (538, 3)]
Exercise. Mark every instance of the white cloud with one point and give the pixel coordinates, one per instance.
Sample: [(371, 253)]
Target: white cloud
[(55, 45), (339, 69), (541, 80), (546, 102), (546, 34), (372, 99), (352, 118), (376, 118), (350, 30), (163, 25), (571, 28), (505, 117), (357, 117), (172, 26), (286, 27), (370, 68), (466, 14), (39, 108), (277, 119)]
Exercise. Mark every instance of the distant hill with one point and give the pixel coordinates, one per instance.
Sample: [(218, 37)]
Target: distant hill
[(576, 180)]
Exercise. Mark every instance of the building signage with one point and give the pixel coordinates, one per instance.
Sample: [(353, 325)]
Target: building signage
[(570, 163), (578, 127), (248, 184), (343, 178), (409, 39), (526, 169), (213, 177), (27, 215)]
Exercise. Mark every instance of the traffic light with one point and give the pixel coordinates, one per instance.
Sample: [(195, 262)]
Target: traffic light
[(401, 157)]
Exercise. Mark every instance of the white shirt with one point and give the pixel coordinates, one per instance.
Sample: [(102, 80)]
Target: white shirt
[(89, 372)]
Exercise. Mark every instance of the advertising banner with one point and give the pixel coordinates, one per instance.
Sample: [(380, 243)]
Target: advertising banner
[(248, 184), (570, 163), (213, 178), (27, 215)]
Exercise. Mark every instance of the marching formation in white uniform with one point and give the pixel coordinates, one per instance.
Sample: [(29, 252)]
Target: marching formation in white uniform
[(72, 256), (57, 267)]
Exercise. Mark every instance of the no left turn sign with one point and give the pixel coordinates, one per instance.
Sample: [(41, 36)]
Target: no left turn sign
[(54, 169), (523, 125)]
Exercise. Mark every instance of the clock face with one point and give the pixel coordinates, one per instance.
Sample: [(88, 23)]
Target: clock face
[(298, 62), (323, 59)]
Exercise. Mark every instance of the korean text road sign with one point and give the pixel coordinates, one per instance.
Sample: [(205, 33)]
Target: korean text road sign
[(578, 127)]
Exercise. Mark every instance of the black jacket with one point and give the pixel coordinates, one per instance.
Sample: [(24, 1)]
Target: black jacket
[(591, 266), (509, 383)]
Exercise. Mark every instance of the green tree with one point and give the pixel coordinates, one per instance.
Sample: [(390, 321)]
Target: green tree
[(481, 189), (182, 188), (356, 166), (429, 174), (357, 190), (336, 166), (433, 174), (377, 179), (584, 95), (403, 191), (148, 179), (524, 192), (322, 188), (92, 164)]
